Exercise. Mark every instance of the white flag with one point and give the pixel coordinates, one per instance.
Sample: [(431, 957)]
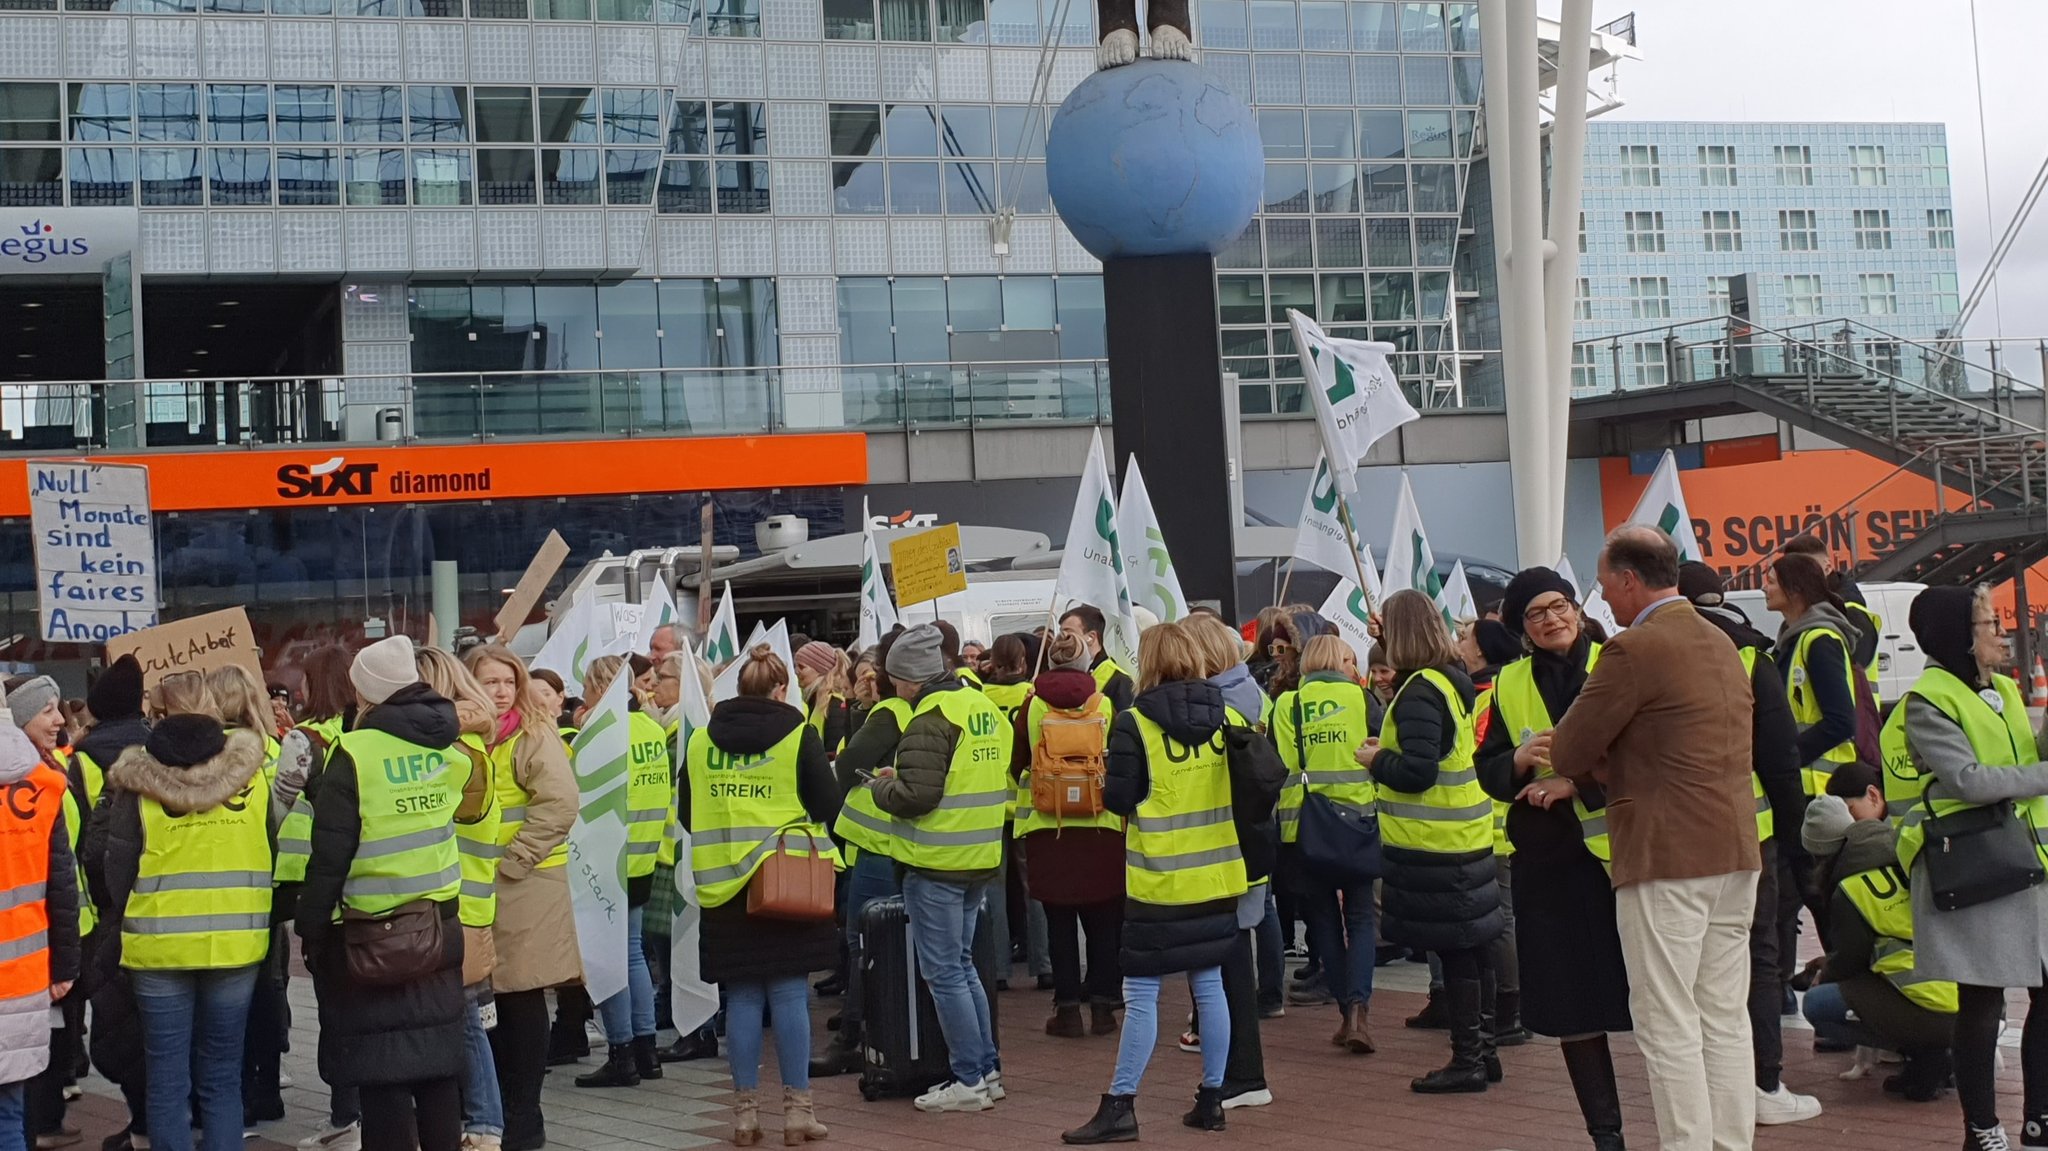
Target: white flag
[(727, 685), (1663, 507), (1153, 582), (1372, 574), (877, 610), (692, 1001), (1092, 570), (657, 611), (1347, 608), (1458, 599), (1564, 568), (597, 840), (622, 626), (1410, 563), (722, 642), (573, 644), (1320, 539), (1596, 608), (1357, 398)]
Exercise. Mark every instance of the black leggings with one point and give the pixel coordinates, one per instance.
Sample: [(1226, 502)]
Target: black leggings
[(1976, 1045), (427, 1115), (1103, 983), (519, 1046), (1465, 963)]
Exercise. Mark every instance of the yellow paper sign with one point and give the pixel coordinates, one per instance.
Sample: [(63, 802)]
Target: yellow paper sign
[(928, 565)]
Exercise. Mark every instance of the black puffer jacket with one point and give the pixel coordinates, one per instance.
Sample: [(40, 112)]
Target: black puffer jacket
[(1159, 939), (375, 1036), (1432, 900), (737, 948), (104, 744)]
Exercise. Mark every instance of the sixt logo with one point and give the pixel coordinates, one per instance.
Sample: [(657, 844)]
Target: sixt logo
[(38, 242), (905, 519), (334, 477)]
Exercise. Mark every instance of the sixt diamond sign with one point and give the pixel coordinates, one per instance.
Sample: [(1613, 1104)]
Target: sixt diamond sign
[(64, 241)]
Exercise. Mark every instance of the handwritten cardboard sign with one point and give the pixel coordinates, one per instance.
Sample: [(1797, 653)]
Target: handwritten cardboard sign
[(928, 565), (526, 593), (195, 643), (95, 550)]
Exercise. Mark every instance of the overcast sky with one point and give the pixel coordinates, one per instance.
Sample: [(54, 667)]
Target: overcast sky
[(1872, 60)]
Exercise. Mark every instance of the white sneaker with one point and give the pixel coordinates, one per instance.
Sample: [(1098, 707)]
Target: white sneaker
[(73, 1092), (1988, 1139), (1784, 1106), (478, 1141), (284, 1079), (992, 1083), (953, 1095), (349, 1138), (1257, 1097)]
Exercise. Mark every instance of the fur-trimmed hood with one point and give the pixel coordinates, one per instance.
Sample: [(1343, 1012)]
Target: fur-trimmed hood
[(196, 788)]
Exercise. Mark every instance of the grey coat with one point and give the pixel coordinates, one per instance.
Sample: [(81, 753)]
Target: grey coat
[(2003, 943)]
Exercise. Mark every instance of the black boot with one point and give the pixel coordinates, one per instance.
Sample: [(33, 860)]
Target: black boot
[(1116, 1121), (567, 1041), (1507, 1020), (646, 1059), (699, 1044), (842, 1056), (1466, 1072), (1208, 1112), (617, 1071), (1432, 1016), (1590, 1064), (1924, 1077), (1489, 1056)]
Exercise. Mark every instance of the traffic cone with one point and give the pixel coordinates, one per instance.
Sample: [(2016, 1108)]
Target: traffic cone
[(2037, 696)]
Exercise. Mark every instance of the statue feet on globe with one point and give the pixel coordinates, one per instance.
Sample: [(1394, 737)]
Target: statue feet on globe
[(1172, 36)]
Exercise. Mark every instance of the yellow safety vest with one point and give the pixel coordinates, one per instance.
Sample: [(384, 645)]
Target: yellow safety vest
[(407, 794), (1029, 818), (816, 719), (970, 677), (1318, 729), (512, 799), (477, 842), (1104, 672), (739, 807), (1871, 620), (965, 831), (88, 915), (1454, 816), (1180, 846), (1999, 737), (1806, 707), (1521, 707), (862, 824), (295, 834), (1008, 696), (201, 899), (95, 778), (1766, 822), (1880, 896), (650, 790)]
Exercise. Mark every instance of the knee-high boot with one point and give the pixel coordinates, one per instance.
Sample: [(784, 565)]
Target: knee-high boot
[(1591, 1067)]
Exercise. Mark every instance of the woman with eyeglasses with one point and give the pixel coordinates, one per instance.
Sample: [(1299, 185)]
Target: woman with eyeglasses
[(1574, 981), (1967, 742)]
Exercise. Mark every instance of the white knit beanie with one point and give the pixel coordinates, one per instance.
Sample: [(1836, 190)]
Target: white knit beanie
[(382, 668)]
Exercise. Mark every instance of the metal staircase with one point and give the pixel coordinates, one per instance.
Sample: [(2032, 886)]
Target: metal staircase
[(1909, 404)]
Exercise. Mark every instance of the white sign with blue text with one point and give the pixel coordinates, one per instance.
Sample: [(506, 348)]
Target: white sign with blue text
[(95, 550)]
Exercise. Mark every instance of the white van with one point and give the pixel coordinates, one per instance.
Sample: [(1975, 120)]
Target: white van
[(1899, 660)]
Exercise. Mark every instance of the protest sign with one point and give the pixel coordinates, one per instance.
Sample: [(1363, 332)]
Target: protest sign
[(195, 643), (928, 565), (527, 592), (95, 550)]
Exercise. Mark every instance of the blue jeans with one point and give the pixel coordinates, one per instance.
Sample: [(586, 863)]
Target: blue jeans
[(629, 1013), (483, 1109), (788, 1001), (1825, 1008), (942, 918), (14, 1116), (194, 1019), (1270, 953), (1343, 939), (873, 877), (1141, 1028)]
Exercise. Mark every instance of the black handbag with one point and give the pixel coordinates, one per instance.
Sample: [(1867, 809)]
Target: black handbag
[(1338, 845), (1977, 854)]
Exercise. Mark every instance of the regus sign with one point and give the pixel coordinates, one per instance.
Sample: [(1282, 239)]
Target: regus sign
[(39, 241), (67, 241)]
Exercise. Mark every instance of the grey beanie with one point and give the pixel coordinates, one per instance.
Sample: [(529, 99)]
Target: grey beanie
[(917, 655), (31, 698), (1827, 825), (1081, 662)]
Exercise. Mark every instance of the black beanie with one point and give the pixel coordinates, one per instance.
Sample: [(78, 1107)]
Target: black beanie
[(118, 694), (1523, 590), (183, 740), (1496, 643)]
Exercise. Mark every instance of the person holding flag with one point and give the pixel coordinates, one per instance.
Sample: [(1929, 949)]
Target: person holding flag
[(1086, 622)]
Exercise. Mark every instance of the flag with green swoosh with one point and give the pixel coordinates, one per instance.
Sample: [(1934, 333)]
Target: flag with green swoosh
[(1662, 506)]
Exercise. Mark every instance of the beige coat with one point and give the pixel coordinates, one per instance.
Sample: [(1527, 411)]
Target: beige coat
[(535, 931)]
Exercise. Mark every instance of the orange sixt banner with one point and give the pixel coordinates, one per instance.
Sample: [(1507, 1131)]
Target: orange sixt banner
[(345, 474), (1743, 513)]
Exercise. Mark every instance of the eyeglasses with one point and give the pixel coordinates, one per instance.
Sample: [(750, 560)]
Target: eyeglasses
[(1562, 609), (1990, 623)]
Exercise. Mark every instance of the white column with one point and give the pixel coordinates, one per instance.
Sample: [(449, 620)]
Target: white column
[(1567, 172)]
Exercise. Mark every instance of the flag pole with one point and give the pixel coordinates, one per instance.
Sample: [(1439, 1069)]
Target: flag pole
[(1357, 564), (1286, 578)]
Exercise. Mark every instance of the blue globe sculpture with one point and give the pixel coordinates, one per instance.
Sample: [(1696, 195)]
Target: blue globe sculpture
[(1155, 158)]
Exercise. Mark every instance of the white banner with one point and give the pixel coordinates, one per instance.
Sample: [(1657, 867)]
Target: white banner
[(692, 1001), (597, 841), (1320, 538), (877, 610), (727, 685), (1358, 400), (1663, 507), (1092, 568), (722, 642), (1410, 562), (1147, 566), (1347, 608), (95, 550), (657, 611), (573, 643), (1458, 601)]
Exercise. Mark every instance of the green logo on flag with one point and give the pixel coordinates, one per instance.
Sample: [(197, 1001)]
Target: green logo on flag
[(1669, 521), (1323, 491), (1105, 526), (721, 649), (1356, 606)]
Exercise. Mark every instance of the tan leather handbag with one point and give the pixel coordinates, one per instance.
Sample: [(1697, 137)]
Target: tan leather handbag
[(792, 885)]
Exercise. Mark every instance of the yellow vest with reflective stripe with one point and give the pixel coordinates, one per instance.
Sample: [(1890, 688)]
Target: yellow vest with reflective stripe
[(295, 834), (965, 832), (863, 825), (970, 677), (1999, 738), (1029, 818), (1521, 707), (94, 777), (201, 899), (1180, 846), (88, 915), (407, 795), (650, 789), (1766, 823), (1903, 781), (817, 718), (1104, 672), (1318, 729), (1806, 707), (1502, 845), (1875, 622), (512, 798), (477, 842), (1010, 698), (1454, 816), (1880, 896), (738, 806)]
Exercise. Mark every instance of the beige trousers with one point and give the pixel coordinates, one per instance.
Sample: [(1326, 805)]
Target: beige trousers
[(1687, 946)]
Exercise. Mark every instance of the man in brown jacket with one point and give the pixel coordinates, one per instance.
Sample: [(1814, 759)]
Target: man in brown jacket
[(1663, 724)]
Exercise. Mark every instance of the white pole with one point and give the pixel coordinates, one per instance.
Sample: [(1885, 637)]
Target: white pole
[(1567, 170), (1511, 117)]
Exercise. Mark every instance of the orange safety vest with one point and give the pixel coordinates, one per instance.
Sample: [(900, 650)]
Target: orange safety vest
[(28, 816)]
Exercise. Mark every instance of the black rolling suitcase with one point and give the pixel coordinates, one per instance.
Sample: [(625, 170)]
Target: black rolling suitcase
[(903, 1051)]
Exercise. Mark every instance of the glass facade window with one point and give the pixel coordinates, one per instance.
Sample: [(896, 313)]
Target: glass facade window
[(1649, 297), (1717, 295), (1585, 367), (1798, 231), (1639, 166), (30, 112), (1866, 165), (1873, 228), (1645, 231), (1582, 299), (1794, 163), (1723, 231), (1946, 297), (102, 177), (237, 112), (1941, 228), (1647, 357), (1934, 157), (102, 112), (1802, 295), (167, 112), (169, 177), (238, 176), (305, 113), (372, 114), (1879, 293), (1717, 165), (308, 177)]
